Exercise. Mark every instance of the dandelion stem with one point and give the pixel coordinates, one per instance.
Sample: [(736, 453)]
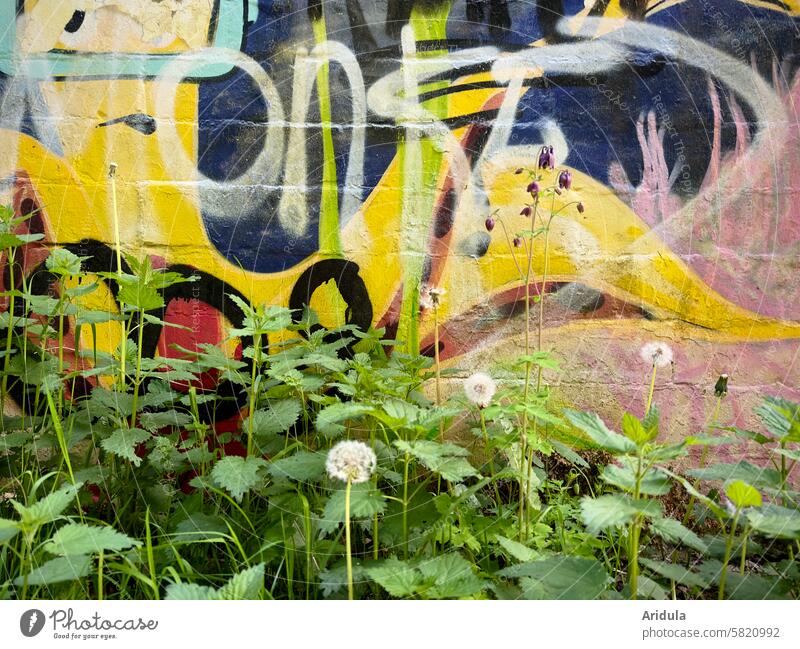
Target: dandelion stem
[(652, 388), (347, 539)]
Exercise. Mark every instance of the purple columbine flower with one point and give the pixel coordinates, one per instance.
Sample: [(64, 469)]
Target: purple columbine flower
[(544, 158), (580, 208), (565, 180), (533, 188), (551, 158), (517, 242), (526, 211), (489, 224)]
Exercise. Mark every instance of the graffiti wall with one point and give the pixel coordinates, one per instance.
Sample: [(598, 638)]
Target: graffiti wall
[(345, 153)]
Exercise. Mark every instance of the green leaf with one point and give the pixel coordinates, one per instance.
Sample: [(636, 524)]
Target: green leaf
[(397, 577), (123, 442), (750, 473), (633, 429), (568, 454), (560, 577), (57, 570), (238, 475), (596, 430), (743, 495), (245, 585), (329, 420), (650, 589), (302, 466), (614, 509), (653, 483), (78, 538), (673, 531), (154, 421), (365, 501), (278, 417), (63, 262), (677, 572), (781, 418), (447, 460), (775, 521), (792, 454), (451, 577), (184, 591), (517, 550), (8, 530), (48, 508)]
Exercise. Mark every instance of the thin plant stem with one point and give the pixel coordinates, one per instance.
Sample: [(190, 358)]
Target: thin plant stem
[(123, 343), (438, 364), (347, 540), (491, 459), (723, 578), (652, 388)]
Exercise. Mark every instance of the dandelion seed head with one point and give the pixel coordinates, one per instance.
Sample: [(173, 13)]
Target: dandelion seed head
[(658, 354), (480, 388), (351, 460)]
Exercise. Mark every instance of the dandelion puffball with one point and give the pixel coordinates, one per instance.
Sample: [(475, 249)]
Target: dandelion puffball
[(480, 389), (351, 460), (657, 354)]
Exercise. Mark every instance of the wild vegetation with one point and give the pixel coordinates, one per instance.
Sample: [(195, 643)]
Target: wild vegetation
[(349, 471)]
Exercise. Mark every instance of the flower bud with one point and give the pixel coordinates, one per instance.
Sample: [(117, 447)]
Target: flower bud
[(526, 211), (533, 188), (517, 242), (721, 388), (518, 171), (489, 224), (581, 208), (565, 180)]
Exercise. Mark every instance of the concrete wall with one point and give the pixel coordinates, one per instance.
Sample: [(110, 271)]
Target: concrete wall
[(353, 150)]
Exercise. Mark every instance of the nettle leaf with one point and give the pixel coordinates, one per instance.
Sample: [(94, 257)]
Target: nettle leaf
[(277, 417), (560, 577), (110, 403), (78, 538), (606, 511), (634, 430), (154, 421), (58, 570), (673, 531), (517, 550), (238, 475), (302, 466), (8, 530), (775, 521), (329, 419), (450, 576), (650, 589), (397, 577), (781, 418), (48, 508), (743, 495), (677, 573), (447, 460), (744, 471), (365, 501), (190, 592), (123, 442), (653, 483), (596, 430), (245, 585), (614, 509)]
